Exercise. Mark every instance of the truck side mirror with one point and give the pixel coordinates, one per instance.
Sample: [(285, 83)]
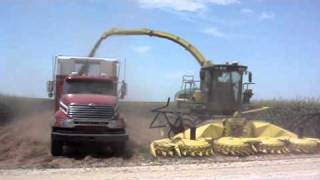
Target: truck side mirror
[(50, 88), (123, 89), (250, 77)]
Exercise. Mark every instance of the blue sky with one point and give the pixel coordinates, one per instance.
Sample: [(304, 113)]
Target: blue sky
[(278, 39)]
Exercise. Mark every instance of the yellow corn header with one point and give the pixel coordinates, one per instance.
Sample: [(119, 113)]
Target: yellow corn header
[(236, 137)]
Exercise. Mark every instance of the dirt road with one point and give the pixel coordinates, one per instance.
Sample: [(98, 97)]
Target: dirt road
[(25, 144), (25, 141), (306, 168)]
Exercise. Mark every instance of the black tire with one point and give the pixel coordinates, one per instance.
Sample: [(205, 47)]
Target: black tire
[(56, 148), (119, 149), (180, 124)]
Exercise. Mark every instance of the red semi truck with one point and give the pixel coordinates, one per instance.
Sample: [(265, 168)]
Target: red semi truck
[(86, 103)]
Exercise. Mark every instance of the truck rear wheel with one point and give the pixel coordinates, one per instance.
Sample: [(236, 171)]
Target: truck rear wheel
[(119, 148), (56, 148)]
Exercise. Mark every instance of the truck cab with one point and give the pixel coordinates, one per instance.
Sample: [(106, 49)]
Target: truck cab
[(85, 91)]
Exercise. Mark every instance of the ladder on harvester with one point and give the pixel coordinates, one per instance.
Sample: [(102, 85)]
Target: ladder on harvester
[(184, 96), (188, 84)]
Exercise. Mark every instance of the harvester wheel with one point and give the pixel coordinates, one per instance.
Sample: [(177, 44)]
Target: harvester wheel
[(56, 148), (180, 124)]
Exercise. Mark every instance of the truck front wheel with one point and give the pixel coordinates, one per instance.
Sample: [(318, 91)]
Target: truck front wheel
[(56, 148), (119, 148)]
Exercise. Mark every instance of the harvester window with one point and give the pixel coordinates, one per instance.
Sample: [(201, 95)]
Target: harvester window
[(81, 87), (224, 77), (236, 81), (226, 87)]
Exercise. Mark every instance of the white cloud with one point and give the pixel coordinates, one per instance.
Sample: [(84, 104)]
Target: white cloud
[(142, 49), (184, 5), (179, 5), (266, 16), (246, 11), (213, 31), (222, 2), (260, 16)]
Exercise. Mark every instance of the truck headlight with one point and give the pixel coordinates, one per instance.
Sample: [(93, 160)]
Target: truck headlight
[(114, 124), (68, 123)]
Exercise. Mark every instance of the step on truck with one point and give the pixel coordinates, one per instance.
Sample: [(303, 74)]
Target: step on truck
[(85, 92)]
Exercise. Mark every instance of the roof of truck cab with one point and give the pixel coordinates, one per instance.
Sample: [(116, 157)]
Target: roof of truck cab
[(84, 58), (90, 78)]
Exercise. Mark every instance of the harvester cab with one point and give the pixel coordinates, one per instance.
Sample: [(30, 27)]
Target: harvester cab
[(221, 92), (222, 87)]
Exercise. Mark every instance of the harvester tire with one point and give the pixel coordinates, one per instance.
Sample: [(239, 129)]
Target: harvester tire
[(180, 126), (56, 148)]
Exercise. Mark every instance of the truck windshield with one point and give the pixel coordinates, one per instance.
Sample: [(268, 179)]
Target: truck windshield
[(83, 87)]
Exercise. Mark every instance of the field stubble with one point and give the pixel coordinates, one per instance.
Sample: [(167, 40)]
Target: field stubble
[(25, 134)]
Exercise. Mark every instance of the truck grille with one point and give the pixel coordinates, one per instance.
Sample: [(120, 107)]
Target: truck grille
[(88, 112)]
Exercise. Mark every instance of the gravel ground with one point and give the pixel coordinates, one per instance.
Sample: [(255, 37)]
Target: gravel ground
[(291, 169)]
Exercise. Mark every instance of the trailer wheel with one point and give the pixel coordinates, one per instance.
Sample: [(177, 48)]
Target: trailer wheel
[(56, 148), (119, 149)]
